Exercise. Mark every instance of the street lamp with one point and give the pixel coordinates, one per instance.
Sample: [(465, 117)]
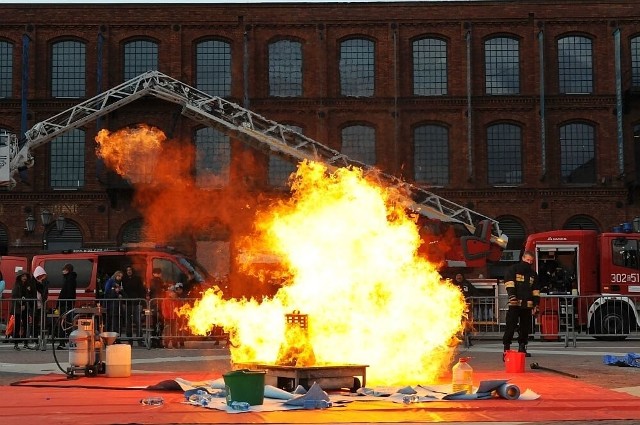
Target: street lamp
[(30, 224), (46, 217)]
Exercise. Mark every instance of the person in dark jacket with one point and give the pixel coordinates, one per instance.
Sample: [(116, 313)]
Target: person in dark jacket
[(66, 301), (521, 283), (114, 298), (24, 295), (135, 304), (156, 290)]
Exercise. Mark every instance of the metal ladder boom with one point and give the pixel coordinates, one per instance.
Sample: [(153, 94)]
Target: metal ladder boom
[(252, 129)]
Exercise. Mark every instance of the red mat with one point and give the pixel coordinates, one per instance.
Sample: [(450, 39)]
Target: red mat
[(103, 400)]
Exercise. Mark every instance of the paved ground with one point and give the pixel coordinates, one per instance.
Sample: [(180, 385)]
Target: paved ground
[(584, 360)]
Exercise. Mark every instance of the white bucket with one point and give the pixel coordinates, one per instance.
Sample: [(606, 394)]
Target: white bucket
[(118, 362)]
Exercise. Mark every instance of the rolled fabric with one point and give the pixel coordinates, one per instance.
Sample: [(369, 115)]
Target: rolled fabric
[(508, 391)]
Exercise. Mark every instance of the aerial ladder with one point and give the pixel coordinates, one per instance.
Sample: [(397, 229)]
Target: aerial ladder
[(485, 239)]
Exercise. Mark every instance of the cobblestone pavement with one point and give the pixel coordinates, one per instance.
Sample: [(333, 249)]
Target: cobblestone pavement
[(584, 360)]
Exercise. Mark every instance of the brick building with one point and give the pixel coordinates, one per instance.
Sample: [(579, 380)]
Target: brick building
[(527, 111)]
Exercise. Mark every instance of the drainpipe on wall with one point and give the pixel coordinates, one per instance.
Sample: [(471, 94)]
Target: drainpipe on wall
[(543, 128), (469, 108), (618, 76)]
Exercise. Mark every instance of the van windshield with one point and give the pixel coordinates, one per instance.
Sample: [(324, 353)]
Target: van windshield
[(199, 272)]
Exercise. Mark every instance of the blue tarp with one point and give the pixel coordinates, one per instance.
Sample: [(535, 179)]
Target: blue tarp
[(631, 359)]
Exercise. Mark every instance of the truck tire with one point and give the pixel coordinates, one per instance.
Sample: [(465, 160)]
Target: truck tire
[(612, 323)]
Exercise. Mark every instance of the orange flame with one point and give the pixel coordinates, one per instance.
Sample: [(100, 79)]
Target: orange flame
[(354, 270), (348, 258)]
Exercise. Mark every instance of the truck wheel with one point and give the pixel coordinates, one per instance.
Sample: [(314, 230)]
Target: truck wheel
[(612, 324)]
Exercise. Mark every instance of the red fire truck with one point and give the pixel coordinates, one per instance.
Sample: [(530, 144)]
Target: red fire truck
[(593, 276)]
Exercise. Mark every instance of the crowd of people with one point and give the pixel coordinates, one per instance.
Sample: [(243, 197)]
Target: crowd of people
[(125, 298)]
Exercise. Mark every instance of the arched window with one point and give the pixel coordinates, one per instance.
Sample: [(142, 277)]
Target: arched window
[(635, 62), (359, 143), (67, 160), (357, 67), (285, 68), (213, 157), (140, 56), (68, 69), (429, 67), (577, 153), (502, 65), (581, 222), (504, 154), (513, 228), (431, 155), (213, 67), (69, 238), (132, 231), (575, 64), (6, 69)]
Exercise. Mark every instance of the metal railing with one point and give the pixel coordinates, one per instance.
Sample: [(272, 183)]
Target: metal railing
[(149, 323), (156, 323)]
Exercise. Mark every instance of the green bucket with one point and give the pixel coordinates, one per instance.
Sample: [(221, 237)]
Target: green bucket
[(245, 385)]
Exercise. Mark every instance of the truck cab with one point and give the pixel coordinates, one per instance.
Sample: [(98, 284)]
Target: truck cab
[(596, 275)]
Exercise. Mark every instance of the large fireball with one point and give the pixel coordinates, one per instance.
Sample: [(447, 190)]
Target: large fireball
[(347, 257), (353, 265)]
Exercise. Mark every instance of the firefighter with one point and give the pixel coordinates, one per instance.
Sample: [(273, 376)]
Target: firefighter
[(521, 283)]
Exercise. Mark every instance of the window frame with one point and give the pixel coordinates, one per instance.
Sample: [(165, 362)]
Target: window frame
[(351, 84), (439, 84), (295, 86), (497, 156), (567, 84), (494, 64), (220, 61), (74, 85), (139, 68), (431, 157)]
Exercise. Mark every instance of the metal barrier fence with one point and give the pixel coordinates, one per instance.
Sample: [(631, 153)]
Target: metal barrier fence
[(563, 317), (155, 323), (151, 323)]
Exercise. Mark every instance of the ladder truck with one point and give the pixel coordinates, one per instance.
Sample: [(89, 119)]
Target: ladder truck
[(481, 240)]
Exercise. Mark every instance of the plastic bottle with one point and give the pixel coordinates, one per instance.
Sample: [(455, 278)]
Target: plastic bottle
[(152, 401), (462, 376), (240, 405), (408, 399), (200, 397)]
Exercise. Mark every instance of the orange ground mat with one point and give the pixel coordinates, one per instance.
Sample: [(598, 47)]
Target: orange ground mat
[(103, 400)]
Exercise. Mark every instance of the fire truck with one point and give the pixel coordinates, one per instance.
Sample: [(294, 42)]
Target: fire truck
[(596, 276), (478, 238)]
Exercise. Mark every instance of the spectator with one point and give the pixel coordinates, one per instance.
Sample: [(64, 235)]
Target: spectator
[(24, 295), (42, 295), (154, 292), (467, 288), (114, 296), (66, 301), (171, 305), (521, 283), (3, 284), (136, 293)]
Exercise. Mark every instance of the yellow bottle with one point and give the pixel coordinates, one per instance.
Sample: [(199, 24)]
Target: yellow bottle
[(462, 376)]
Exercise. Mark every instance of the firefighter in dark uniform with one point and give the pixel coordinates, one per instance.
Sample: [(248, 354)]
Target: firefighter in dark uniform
[(521, 283)]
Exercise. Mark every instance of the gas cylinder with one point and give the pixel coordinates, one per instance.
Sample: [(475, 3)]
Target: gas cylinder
[(79, 350), (462, 376)]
